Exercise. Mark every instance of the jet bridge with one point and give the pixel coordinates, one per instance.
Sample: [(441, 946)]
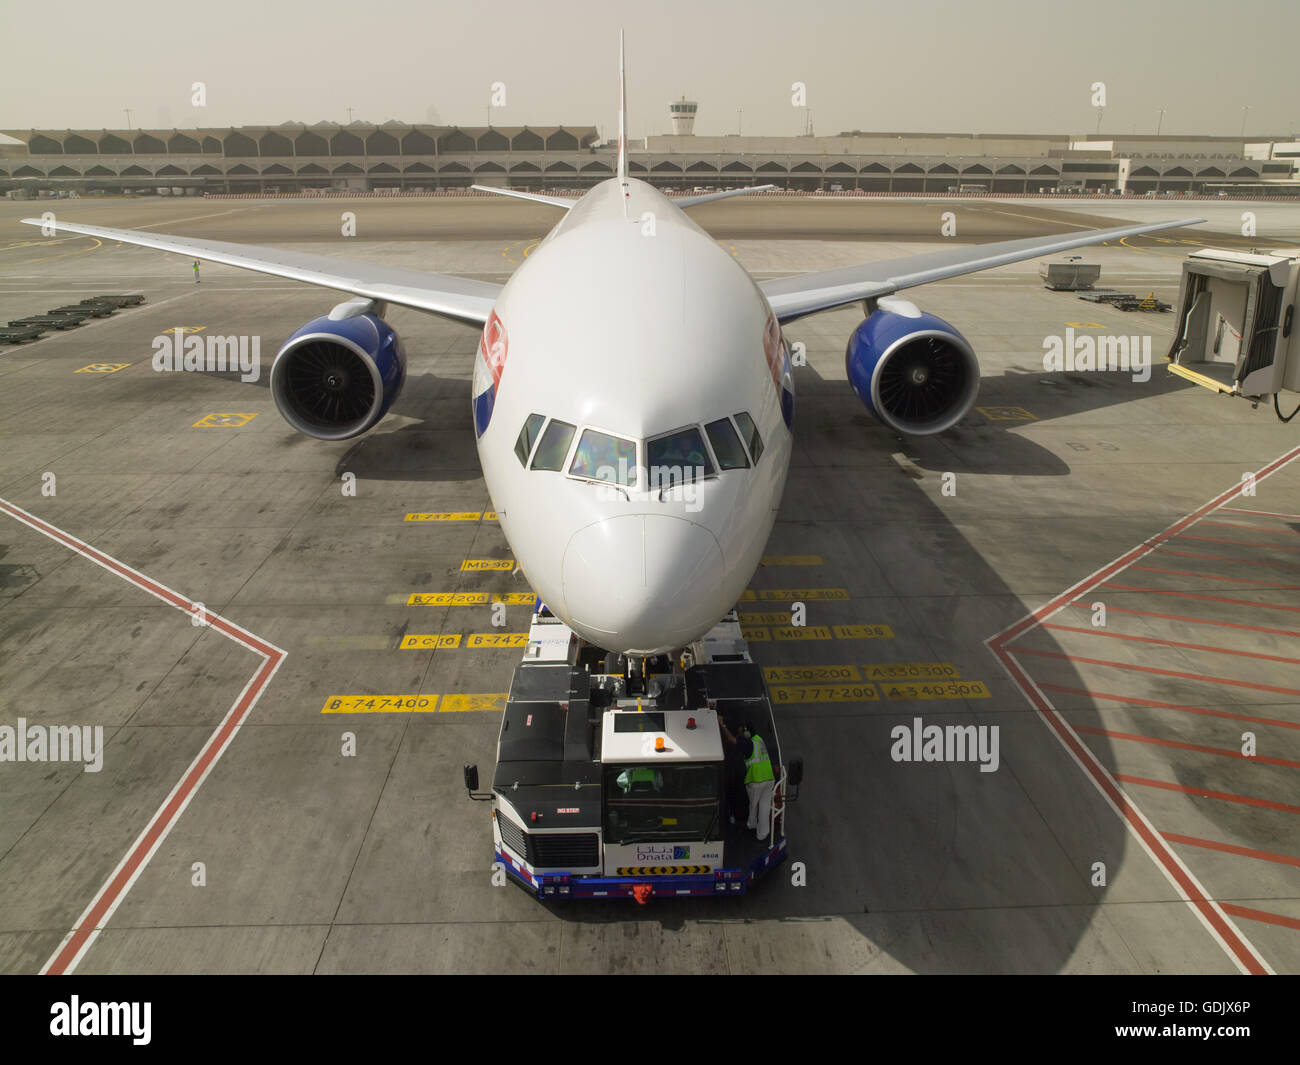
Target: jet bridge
[(1236, 332)]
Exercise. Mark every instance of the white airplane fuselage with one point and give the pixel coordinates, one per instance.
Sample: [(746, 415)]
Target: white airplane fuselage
[(633, 322)]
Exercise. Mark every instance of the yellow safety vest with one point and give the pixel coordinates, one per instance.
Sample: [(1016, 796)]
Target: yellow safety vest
[(758, 767)]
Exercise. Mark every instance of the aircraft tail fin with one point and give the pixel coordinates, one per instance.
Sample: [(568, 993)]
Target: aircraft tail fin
[(622, 114)]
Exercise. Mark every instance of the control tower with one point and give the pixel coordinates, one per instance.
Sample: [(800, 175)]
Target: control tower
[(683, 112)]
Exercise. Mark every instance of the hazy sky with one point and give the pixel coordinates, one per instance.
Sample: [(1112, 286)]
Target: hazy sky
[(992, 66)]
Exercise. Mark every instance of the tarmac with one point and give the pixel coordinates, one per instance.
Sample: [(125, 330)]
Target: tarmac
[(181, 568)]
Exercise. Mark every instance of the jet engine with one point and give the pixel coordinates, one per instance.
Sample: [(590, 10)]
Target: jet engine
[(913, 370), (338, 374)]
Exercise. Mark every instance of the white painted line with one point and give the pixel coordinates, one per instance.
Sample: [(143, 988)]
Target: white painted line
[(105, 902)]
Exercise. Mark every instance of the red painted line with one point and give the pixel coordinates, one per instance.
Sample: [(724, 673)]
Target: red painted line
[(1228, 558), (1199, 677), (1133, 700), (1206, 598), (1260, 915), (1231, 848), (1211, 915), (1194, 621), (1242, 525), (1226, 752), (1284, 807), (1238, 543), (110, 895), (1237, 946), (1171, 643), (1266, 513), (1219, 577)]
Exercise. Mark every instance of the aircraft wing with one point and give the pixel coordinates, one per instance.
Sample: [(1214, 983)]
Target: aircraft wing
[(458, 298), (709, 197), (794, 297), (536, 197)]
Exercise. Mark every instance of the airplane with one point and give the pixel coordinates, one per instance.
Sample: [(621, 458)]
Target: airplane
[(633, 395)]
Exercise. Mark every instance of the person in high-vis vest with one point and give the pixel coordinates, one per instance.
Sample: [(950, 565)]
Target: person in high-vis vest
[(759, 778)]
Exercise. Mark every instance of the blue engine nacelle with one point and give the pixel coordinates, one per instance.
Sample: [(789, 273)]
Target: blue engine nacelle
[(913, 370), (337, 376)]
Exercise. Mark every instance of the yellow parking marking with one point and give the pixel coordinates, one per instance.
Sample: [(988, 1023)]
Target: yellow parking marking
[(810, 674), (459, 515), (223, 421), (379, 704), (792, 560), (496, 639), (1007, 414), (911, 671), (457, 702), (863, 632), (103, 367), (792, 594), (913, 690), (471, 598), (477, 565), (187, 328), (802, 632), (774, 617), (831, 693), (755, 635), (432, 641), (1086, 325), (462, 702)]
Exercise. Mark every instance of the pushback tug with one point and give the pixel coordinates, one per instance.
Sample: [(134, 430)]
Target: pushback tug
[(612, 778)]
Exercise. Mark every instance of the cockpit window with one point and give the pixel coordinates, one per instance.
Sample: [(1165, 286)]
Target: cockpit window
[(528, 437), (749, 432), (554, 446), (602, 457), (726, 445), (678, 458)]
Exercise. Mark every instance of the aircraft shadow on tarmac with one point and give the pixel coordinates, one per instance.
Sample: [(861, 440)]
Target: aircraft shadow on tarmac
[(936, 867)]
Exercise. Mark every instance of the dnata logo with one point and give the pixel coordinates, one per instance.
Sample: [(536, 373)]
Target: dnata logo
[(681, 854), (102, 1018)]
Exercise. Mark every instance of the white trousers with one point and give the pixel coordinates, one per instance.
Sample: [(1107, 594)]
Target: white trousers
[(760, 805)]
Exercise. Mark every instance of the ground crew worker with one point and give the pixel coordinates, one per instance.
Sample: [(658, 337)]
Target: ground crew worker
[(759, 779), (196, 271), (759, 783)]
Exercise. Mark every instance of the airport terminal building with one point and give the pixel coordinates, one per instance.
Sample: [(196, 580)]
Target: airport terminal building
[(364, 157)]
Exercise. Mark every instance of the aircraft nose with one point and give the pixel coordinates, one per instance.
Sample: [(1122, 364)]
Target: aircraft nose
[(643, 582)]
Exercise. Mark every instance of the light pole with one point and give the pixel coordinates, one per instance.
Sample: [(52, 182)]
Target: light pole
[(1160, 122), (1244, 112), (128, 111)]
